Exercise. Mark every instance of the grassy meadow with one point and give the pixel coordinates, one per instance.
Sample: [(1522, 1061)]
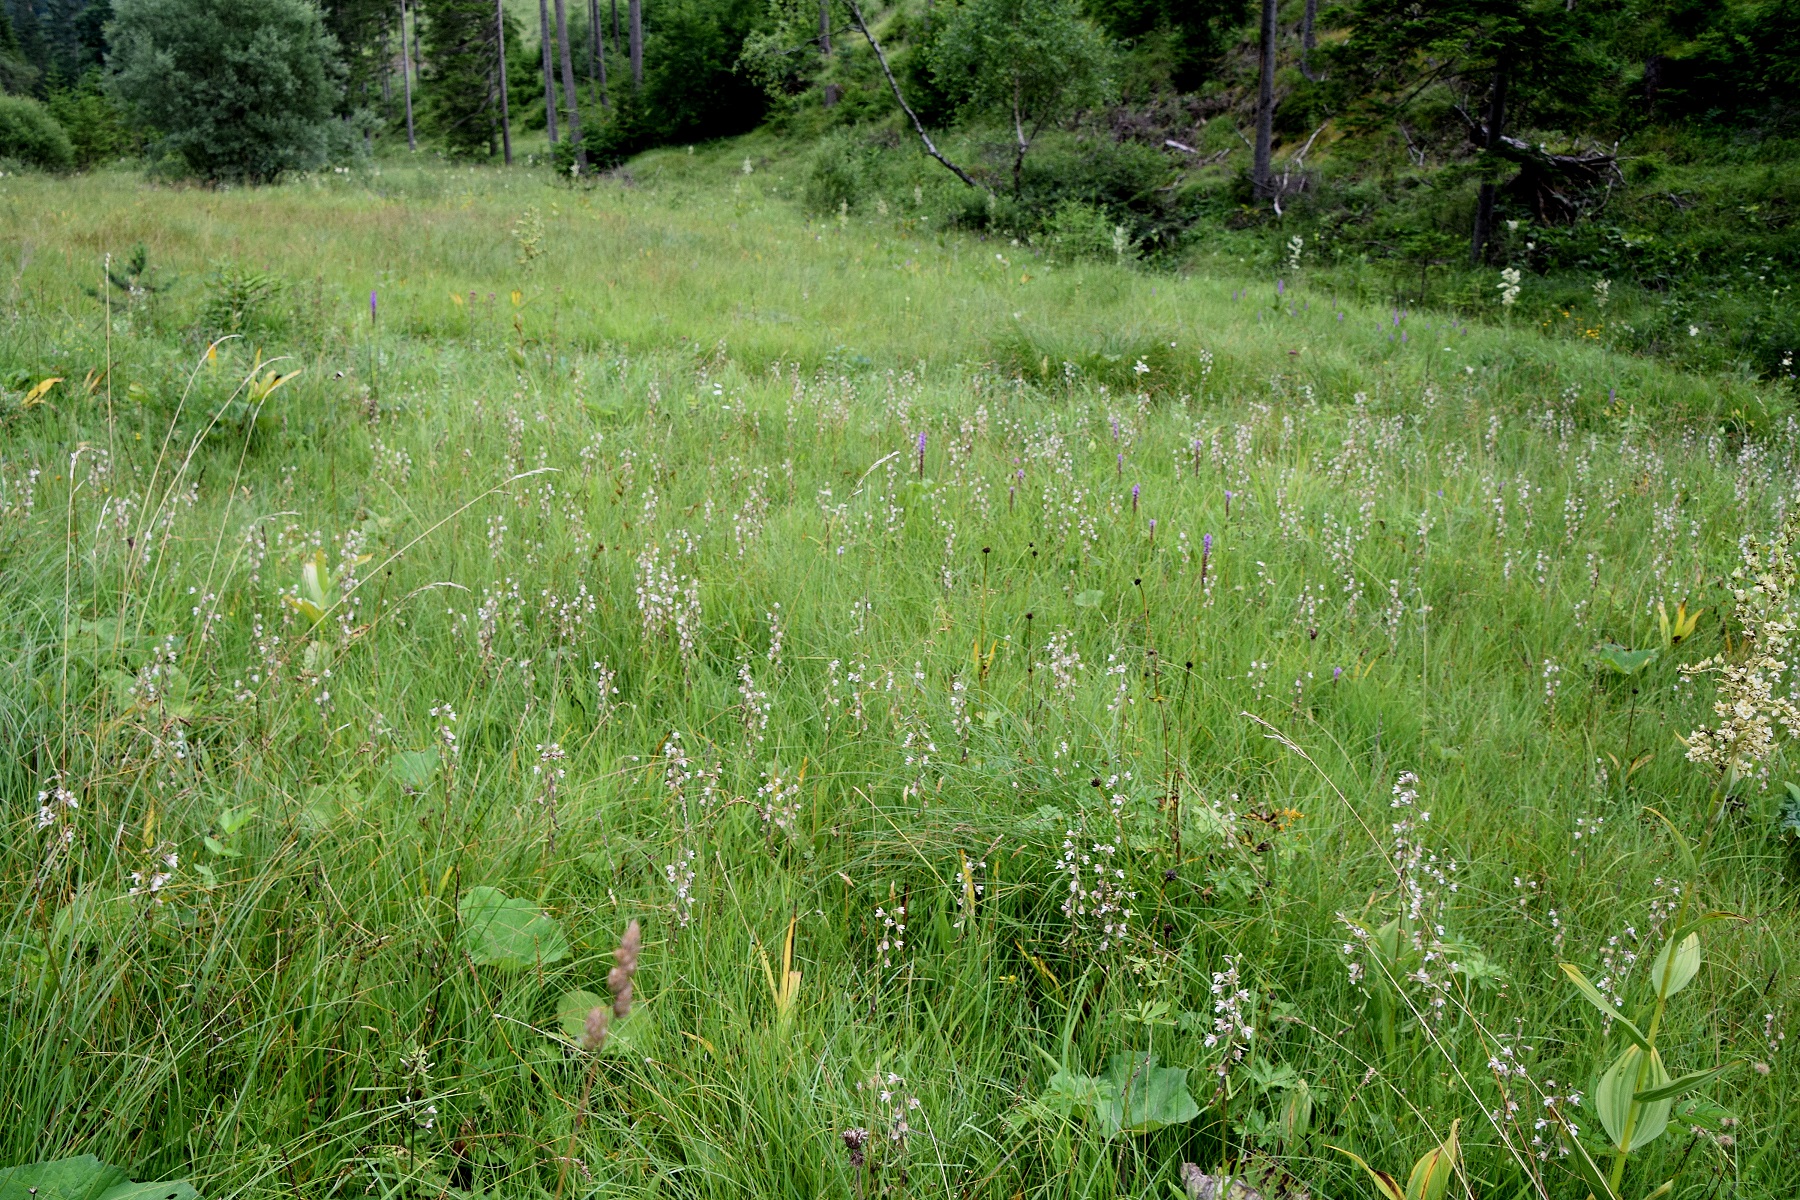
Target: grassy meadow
[(995, 686)]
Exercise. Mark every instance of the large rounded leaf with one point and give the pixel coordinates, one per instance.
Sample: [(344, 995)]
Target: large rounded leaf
[(506, 932), (1144, 1097), (1613, 1098), (1687, 963), (83, 1178)]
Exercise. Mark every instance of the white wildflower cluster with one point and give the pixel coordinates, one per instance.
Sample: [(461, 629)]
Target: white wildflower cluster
[(56, 813), (152, 881), (754, 706), (1233, 1011), (56, 806), (1098, 899), (669, 600), (778, 800), (680, 875), (892, 923), (1556, 1106), (606, 687), (1751, 703), (1063, 661), (893, 1102), (968, 889), (1509, 286), (446, 718)]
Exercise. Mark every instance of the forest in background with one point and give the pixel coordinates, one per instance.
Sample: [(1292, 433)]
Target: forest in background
[(1631, 162)]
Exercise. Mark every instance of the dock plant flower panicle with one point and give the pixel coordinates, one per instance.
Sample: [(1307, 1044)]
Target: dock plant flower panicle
[(1756, 695)]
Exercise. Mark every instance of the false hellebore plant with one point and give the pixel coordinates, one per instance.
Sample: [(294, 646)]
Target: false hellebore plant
[(1636, 1094)]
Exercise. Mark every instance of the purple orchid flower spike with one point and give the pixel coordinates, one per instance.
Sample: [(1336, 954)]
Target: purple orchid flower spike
[(1134, 497), (921, 454), (371, 304)]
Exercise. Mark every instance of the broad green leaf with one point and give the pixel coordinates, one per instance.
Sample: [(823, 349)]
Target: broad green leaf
[(1146, 1097), (83, 1178), (506, 932), (1622, 661), (151, 1191), (1603, 1004), (1296, 1115), (1089, 599), (414, 770), (1790, 809), (572, 1011), (1682, 970), (327, 804), (1614, 1096), (1684, 1085)]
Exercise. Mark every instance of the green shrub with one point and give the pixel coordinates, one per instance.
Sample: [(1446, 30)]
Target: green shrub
[(242, 301), (233, 89), (30, 135), (1079, 231), (837, 173)]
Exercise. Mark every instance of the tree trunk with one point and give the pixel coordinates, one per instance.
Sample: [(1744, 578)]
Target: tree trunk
[(1020, 146), (500, 43), (1261, 179), (568, 82), (387, 87), (596, 69), (549, 77), (412, 141), (1308, 38), (1484, 203), (635, 14), (824, 28), (615, 17)]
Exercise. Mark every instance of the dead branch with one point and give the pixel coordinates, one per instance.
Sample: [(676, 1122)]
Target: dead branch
[(918, 125)]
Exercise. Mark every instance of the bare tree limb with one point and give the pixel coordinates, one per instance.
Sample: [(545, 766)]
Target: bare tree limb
[(930, 146)]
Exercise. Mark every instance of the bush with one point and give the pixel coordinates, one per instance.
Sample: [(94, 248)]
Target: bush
[(234, 89), (1078, 231), (837, 173), (30, 135)]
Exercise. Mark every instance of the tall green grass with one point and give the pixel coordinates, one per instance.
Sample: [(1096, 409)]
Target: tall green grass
[(703, 403)]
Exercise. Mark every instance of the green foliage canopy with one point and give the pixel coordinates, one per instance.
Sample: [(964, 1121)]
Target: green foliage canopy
[(1036, 61), (29, 134), (234, 89)]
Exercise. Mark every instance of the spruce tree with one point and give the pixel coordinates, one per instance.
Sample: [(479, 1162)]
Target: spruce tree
[(460, 85)]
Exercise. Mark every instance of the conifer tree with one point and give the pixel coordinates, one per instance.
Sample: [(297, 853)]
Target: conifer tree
[(461, 80)]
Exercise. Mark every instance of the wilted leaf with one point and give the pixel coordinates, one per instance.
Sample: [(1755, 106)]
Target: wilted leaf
[(506, 932)]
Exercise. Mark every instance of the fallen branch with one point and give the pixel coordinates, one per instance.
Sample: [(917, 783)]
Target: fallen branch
[(930, 147), (1208, 161)]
